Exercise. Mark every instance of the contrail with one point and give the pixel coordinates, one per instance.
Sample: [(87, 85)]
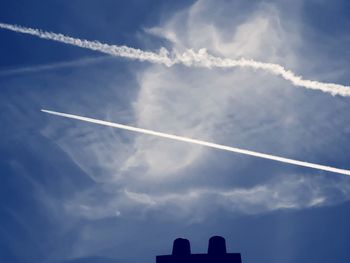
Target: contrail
[(119, 51), (188, 58), (204, 143), (52, 66)]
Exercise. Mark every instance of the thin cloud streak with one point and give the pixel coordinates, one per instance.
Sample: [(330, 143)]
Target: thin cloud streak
[(52, 66), (188, 58), (203, 143)]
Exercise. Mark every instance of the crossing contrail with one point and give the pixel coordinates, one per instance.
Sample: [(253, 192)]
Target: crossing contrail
[(189, 58), (203, 143)]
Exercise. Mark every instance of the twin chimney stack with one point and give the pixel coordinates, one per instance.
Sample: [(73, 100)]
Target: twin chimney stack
[(216, 253)]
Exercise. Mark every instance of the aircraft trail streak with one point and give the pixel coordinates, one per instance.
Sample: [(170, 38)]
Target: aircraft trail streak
[(203, 143), (187, 58)]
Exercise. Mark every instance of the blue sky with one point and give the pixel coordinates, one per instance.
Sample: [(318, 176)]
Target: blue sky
[(78, 192)]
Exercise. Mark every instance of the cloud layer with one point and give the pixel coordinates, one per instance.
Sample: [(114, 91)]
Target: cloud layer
[(234, 107)]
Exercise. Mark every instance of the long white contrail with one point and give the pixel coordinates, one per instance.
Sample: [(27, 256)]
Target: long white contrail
[(119, 51), (188, 58), (204, 143)]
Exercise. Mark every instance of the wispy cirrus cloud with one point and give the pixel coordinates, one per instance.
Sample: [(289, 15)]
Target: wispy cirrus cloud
[(141, 180), (231, 107)]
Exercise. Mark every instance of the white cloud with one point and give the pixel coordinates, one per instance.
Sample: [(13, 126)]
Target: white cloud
[(235, 107), (195, 102), (195, 204)]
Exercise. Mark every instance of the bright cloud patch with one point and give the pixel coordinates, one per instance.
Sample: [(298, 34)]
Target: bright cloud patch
[(252, 110)]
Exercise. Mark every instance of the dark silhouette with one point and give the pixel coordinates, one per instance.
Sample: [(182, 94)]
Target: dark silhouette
[(216, 253), (181, 247)]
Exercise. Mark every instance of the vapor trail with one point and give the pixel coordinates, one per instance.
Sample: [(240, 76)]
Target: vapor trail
[(188, 58), (204, 143), (52, 66)]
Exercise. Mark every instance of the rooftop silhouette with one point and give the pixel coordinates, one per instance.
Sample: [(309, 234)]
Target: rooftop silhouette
[(216, 253)]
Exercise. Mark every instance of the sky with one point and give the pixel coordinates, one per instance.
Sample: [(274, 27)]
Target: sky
[(74, 192)]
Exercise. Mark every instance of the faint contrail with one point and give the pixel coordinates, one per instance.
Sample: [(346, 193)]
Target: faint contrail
[(188, 58), (204, 143), (52, 66)]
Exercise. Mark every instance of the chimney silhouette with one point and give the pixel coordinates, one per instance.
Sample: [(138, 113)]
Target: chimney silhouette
[(181, 247), (216, 253), (217, 245)]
